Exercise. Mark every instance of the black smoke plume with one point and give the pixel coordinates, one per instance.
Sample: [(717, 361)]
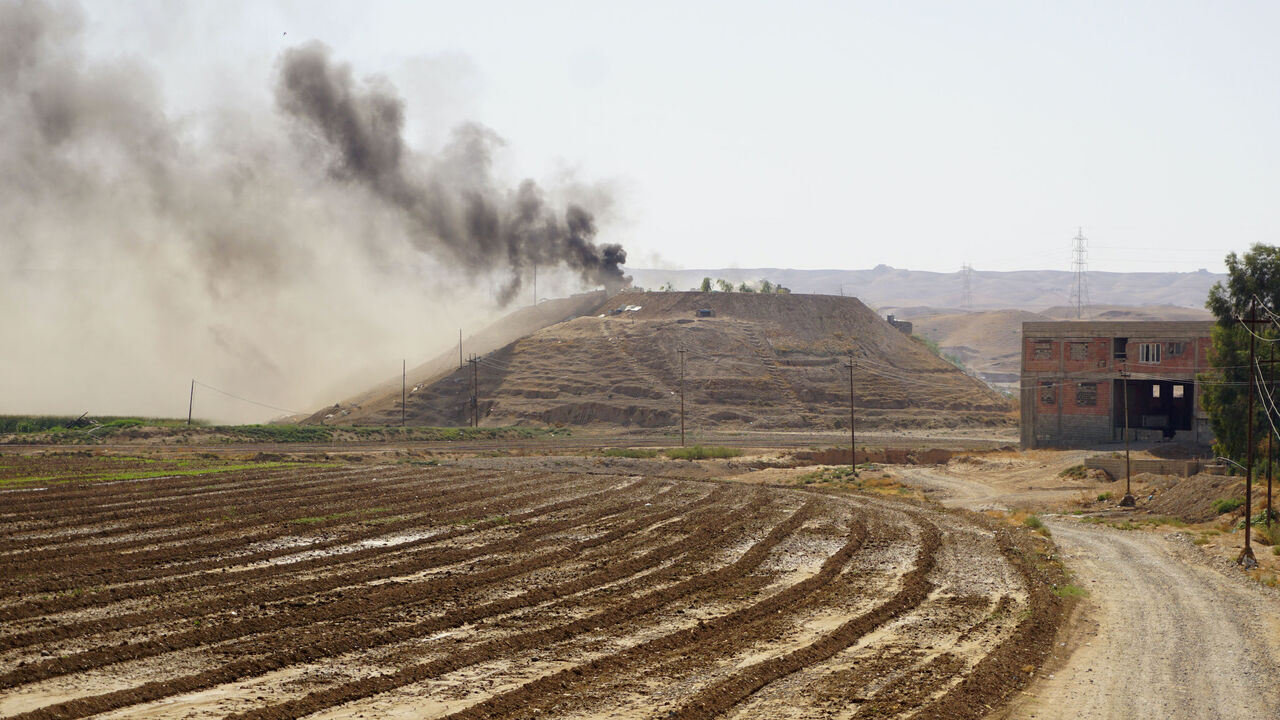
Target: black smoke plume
[(271, 249), (454, 205)]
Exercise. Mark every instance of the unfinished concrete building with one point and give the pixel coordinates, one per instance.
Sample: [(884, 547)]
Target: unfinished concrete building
[(1074, 375)]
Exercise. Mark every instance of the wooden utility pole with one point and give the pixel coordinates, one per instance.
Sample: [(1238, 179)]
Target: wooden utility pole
[(475, 391), (459, 348), (404, 377), (1127, 500), (1246, 556), (191, 401), (1271, 435), (853, 435), (682, 351)]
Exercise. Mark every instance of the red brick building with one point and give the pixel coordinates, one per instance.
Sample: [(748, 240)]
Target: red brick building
[(1073, 388)]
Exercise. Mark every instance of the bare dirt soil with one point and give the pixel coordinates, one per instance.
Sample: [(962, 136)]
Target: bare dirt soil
[(1168, 629), (752, 362), (502, 587)]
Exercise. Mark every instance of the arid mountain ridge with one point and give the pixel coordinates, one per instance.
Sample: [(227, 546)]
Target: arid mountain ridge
[(884, 287)]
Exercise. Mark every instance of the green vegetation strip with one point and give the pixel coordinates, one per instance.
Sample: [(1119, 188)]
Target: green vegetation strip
[(67, 429), (702, 452), (630, 452), (151, 474)]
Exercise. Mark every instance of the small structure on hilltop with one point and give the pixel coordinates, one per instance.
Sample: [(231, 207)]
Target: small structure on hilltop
[(904, 326), (1075, 375)]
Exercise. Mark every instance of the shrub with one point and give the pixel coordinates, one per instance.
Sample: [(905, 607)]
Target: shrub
[(1075, 472), (1035, 523), (629, 452), (1223, 506), (1267, 535), (1104, 497), (1069, 590), (700, 452)]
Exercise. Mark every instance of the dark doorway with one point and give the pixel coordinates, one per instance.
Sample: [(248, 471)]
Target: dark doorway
[(1163, 405)]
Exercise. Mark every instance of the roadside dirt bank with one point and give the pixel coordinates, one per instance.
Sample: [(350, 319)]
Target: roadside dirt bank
[(1162, 633)]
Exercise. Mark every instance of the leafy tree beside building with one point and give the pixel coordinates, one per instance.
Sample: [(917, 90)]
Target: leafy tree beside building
[(1253, 279)]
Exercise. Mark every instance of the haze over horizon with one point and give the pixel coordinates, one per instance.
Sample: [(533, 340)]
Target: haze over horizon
[(274, 196), (928, 133)]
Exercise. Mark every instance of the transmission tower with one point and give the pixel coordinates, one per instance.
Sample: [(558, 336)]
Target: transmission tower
[(1079, 266), (966, 276)]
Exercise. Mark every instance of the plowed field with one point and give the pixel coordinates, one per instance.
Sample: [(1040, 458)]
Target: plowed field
[(504, 589)]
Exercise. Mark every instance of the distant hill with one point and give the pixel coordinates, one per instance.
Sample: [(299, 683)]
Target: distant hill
[(1034, 290), (751, 361), (989, 342)]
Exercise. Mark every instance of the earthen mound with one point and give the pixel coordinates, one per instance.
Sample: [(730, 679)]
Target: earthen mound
[(749, 360)]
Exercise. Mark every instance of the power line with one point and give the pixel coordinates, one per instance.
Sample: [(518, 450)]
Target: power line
[(241, 399)]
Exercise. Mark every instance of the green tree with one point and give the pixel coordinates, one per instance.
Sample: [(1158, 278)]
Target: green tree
[(744, 287), (766, 287), (667, 287), (724, 285), (1224, 394), (706, 285)]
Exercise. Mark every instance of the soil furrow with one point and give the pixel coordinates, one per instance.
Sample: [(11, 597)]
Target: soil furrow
[(537, 638), (327, 508), (364, 601), (232, 671), (723, 695), (190, 580)]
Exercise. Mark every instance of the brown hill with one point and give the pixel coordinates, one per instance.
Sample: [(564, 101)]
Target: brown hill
[(766, 361), (1130, 312), (989, 342), (383, 400)]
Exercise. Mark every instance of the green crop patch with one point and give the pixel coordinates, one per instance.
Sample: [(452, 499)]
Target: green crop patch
[(97, 477)]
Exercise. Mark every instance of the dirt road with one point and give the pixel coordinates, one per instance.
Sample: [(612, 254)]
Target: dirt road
[(1162, 634)]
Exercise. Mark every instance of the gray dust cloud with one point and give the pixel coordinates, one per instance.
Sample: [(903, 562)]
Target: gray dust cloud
[(277, 252)]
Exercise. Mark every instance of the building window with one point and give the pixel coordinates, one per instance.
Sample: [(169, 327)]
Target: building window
[(1042, 350), (1119, 347), (1177, 391), (1155, 391), (1048, 393), (1087, 394), (1079, 351), (1177, 348), (1149, 353)]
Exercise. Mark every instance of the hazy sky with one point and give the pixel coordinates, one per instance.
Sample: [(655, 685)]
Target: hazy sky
[(812, 135)]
